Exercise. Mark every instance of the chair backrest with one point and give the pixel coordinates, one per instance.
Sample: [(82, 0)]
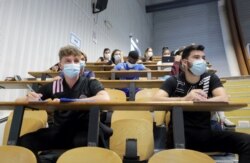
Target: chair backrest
[(32, 121), (139, 129), (180, 156), (89, 155), (146, 95), (118, 115), (16, 154), (116, 95)]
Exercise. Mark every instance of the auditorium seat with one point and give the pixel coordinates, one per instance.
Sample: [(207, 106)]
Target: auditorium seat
[(32, 121), (89, 155), (139, 129), (16, 154), (145, 95), (180, 156)]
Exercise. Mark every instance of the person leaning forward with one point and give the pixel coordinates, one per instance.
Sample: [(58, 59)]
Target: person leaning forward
[(68, 125), (195, 84)]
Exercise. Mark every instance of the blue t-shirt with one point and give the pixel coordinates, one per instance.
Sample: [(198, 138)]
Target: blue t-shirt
[(124, 66)]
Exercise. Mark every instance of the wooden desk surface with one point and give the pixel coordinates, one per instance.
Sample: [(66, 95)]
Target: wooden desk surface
[(106, 83), (94, 108), (96, 63), (103, 63), (107, 74), (129, 105), (99, 67), (110, 67)]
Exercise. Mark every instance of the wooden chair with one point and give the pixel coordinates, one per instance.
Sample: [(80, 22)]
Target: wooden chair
[(180, 156), (118, 115), (139, 129), (146, 95), (89, 155), (32, 121), (116, 95), (16, 154)]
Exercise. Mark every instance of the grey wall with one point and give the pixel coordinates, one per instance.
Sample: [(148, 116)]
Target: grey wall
[(32, 31), (192, 24), (243, 8)]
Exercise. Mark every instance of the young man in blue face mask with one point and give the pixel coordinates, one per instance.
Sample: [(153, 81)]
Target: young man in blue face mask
[(83, 71), (130, 64), (195, 84), (68, 126)]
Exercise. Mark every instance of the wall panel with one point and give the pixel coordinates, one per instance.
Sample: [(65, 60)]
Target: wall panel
[(32, 31), (192, 24)]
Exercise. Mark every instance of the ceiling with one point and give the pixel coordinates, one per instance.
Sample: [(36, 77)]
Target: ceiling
[(160, 5)]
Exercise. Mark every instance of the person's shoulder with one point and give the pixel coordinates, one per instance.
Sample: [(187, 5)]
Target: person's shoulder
[(140, 66), (173, 78), (95, 84), (211, 75), (119, 66), (50, 85), (88, 81)]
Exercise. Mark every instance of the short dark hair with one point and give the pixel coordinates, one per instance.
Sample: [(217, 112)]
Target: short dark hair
[(186, 52), (134, 55), (85, 56), (106, 49)]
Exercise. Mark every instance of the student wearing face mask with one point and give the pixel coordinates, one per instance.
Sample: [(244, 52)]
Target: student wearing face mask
[(69, 125), (218, 119), (83, 71), (148, 55), (130, 64), (195, 84), (165, 53), (116, 57), (106, 57)]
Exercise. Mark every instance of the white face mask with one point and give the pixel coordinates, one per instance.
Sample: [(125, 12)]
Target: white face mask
[(107, 56), (130, 65), (149, 54), (82, 64), (117, 57)]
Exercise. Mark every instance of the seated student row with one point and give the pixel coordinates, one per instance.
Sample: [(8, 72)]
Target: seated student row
[(132, 64), (197, 124)]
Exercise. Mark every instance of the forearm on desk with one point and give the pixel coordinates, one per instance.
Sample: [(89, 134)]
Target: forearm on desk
[(100, 96)]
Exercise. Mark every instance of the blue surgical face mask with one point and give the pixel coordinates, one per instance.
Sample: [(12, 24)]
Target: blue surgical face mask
[(71, 70), (82, 64), (130, 65), (198, 67)]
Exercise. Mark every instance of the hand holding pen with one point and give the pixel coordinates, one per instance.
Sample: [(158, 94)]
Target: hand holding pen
[(32, 95)]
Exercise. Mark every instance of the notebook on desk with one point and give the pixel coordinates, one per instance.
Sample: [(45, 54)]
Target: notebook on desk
[(167, 59)]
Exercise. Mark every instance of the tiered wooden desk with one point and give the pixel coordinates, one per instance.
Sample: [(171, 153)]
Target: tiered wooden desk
[(107, 74), (177, 108), (132, 84)]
